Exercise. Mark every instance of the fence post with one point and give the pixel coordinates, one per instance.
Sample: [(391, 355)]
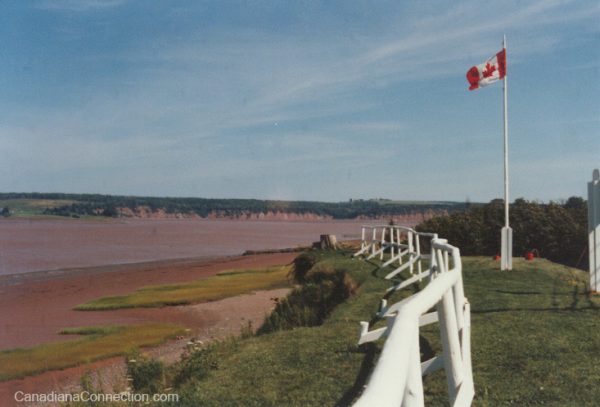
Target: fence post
[(594, 230), (411, 250), (392, 251), (373, 240), (363, 242), (413, 392), (450, 344), (399, 240), (383, 242), (418, 247)]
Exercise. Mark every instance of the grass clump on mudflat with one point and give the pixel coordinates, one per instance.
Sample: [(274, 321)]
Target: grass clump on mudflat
[(223, 285), (92, 330), (97, 343), (534, 340)]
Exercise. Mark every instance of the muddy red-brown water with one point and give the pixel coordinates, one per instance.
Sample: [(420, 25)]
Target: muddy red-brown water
[(27, 246)]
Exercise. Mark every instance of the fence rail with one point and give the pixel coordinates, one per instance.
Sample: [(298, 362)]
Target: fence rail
[(397, 377), (400, 241)]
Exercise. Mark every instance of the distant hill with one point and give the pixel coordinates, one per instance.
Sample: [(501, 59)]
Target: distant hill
[(78, 205)]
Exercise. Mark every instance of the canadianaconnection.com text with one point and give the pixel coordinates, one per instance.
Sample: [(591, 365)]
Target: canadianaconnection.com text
[(85, 396)]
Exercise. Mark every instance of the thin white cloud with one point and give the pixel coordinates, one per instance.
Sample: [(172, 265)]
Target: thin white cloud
[(78, 5), (446, 28), (262, 79)]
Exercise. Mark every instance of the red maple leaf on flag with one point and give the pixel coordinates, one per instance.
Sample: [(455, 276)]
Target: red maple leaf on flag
[(489, 70)]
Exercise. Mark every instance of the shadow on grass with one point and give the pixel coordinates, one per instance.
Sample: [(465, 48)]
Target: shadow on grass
[(575, 305), (498, 310), (367, 365), (518, 292), (575, 296), (370, 351)]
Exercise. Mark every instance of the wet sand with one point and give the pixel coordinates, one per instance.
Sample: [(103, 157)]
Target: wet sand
[(35, 306), (217, 320)]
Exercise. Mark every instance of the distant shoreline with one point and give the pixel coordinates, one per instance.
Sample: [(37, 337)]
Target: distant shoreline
[(44, 275)]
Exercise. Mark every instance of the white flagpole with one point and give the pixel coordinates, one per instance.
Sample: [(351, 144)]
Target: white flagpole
[(506, 234)]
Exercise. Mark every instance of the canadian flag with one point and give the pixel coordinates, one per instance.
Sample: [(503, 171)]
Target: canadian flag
[(489, 72)]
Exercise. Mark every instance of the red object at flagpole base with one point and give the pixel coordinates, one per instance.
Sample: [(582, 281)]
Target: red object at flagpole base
[(497, 257)]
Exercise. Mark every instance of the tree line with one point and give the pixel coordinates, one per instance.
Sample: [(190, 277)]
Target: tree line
[(107, 205), (557, 231)]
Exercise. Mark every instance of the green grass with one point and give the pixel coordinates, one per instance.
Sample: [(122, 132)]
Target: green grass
[(23, 208), (93, 330), (97, 343), (223, 285), (535, 334), (34, 209), (534, 341)]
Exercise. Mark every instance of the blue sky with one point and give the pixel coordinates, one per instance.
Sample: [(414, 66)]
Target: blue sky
[(297, 100)]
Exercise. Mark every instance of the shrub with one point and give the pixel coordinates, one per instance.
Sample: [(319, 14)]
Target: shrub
[(199, 360), (147, 374), (302, 264), (325, 286)]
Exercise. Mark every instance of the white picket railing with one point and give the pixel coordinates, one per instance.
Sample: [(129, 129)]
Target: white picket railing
[(400, 241), (397, 377)]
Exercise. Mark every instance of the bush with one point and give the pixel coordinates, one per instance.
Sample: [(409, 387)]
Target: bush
[(302, 264), (147, 374), (325, 286), (197, 365), (199, 360)]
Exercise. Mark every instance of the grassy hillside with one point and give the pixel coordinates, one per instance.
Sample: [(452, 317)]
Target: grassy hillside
[(534, 339), (32, 207)]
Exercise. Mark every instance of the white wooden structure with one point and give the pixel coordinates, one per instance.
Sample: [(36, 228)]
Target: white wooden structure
[(594, 230), (400, 241), (397, 377)]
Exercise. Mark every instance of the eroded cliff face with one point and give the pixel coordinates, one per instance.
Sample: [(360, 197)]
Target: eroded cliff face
[(145, 212), (270, 215)]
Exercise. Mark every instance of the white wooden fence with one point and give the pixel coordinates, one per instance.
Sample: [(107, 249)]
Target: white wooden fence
[(400, 241), (397, 377)]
